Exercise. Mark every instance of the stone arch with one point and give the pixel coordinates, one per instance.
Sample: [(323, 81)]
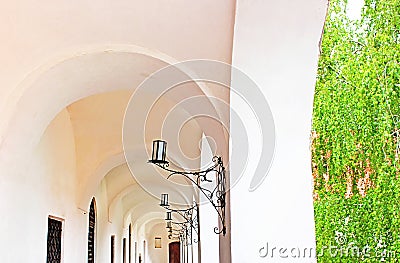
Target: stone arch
[(78, 74), (39, 100)]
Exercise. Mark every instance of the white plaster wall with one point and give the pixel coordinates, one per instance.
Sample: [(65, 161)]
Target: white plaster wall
[(103, 226), (157, 255), (276, 44), (209, 241), (46, 188), (105, 229), (140, 240), (118, 230), (53, 168), (33, 34)]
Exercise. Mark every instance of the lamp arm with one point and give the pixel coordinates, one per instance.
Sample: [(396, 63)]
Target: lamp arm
[(165, 166), (216, 196), (186, 214)]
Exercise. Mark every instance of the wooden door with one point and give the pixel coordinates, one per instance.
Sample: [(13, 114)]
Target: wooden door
[(174, 252)]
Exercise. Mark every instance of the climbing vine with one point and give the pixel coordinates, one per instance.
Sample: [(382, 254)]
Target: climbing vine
[(355, 140)]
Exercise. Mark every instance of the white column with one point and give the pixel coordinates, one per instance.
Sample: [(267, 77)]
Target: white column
[(276, 44), (208, 215)]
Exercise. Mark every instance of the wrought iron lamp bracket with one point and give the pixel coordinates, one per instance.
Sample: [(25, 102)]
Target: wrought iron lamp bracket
[(189, 216), (215, 196)]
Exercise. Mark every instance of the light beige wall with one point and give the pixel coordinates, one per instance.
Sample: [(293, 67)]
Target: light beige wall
[(97, 122), (45, 188), (34, 35), (48, 188), (54, 167), (157, 255), (103, 227)]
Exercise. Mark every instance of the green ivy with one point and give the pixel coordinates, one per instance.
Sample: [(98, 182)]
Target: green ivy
[(356, 135)]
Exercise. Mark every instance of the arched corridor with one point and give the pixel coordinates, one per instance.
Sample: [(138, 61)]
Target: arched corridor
[(78, 122)]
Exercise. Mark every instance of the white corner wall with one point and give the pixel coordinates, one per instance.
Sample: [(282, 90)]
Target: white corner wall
[(276, 44), (157, 255), (209, 241), (48, 188), (45, 189)]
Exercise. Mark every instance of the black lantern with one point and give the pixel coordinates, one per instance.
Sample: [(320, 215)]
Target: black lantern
[(188, 223), (159, 152), (169, 216), (164, 200), (216, 195)]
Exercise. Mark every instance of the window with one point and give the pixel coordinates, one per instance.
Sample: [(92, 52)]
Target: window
[(54, 233), (157, 242), (91, 232)]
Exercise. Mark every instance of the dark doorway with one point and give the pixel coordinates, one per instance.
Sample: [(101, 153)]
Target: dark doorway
[(124, 250), (112, 248), (174, 252), (91, 232), (54, 231), (130, 243)]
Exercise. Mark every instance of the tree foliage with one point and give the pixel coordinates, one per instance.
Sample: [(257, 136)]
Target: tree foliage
[(356, 135)]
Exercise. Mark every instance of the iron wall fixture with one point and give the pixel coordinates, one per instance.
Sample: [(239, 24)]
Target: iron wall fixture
[(215, 196), (188, 222), (182, 233)]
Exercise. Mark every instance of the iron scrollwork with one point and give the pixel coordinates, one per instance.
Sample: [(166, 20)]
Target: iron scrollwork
[(187, 227), (216, 196)]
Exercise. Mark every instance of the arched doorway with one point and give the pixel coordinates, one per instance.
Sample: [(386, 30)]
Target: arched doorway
[(91, 231)]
